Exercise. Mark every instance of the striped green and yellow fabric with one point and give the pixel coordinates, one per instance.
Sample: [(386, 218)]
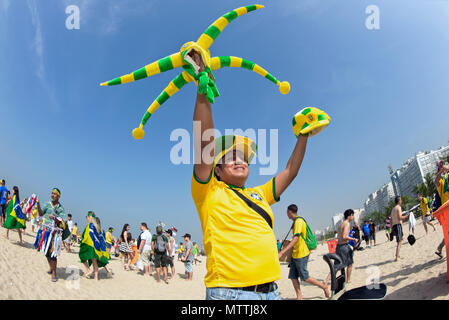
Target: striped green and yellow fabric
[(214, 30)]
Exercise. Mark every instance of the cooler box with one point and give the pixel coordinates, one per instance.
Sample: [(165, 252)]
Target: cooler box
[(332, 245)]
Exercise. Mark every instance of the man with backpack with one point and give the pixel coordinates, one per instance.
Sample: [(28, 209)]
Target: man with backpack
[(302, 242), (160, 247)]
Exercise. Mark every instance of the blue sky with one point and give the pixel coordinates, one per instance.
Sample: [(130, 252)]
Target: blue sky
[(385, 90)]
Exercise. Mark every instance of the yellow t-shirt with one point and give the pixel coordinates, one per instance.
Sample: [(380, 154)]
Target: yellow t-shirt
[(444, 194), (240, 245), (300, 249), (424, 207), (108, 237), (181, 249), (75, 230)]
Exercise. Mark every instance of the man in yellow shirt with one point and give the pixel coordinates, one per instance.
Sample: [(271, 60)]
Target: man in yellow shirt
[(425, 210), (300, 255), (442, 184), (242, 257)]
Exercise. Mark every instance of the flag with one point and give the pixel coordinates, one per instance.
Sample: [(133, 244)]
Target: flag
[(15, 218), (174, 230), (93, 246), (31, 203)]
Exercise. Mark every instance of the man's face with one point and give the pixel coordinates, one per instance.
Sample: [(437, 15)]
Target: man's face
[(186, 239), (54, 196), (400, 201), (233, 169), (419, 197), (290, 214), (69, 218), (351, 217), (141, 228)]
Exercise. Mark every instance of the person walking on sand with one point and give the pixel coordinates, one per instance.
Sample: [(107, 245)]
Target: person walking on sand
[(300, 255), (239, 242), (15, 219), (426, 212), (372, 233), (3, 198), (145, 248), (388, 227), (180, 251), (171, 252), (51, 211), (365, 231), (396, 220), (68, 240), (125, 247), (442, 184), (160, 246), (110, 240), (188, 256)]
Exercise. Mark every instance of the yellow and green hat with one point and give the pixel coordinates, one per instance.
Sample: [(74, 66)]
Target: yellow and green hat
[(224, 144), (310, 121)]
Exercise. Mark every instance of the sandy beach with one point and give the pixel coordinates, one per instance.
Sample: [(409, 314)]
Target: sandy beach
[(420, 274)]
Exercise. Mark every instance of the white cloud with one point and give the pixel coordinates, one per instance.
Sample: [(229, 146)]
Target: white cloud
[(38, 46)]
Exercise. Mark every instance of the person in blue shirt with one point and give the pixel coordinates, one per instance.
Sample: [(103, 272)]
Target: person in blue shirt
[(3, 197), (365, 230)]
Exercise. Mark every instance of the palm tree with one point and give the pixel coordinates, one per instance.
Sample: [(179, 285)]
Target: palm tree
[(427, 188)]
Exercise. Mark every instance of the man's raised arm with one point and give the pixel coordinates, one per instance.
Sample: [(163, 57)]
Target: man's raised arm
[(285, 177), (203, 114)]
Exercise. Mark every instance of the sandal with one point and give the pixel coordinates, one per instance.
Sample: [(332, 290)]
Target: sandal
[(54, 279)]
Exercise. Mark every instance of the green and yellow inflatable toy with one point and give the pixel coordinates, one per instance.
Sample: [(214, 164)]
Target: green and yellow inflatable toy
[(310, 121), (191, 72)]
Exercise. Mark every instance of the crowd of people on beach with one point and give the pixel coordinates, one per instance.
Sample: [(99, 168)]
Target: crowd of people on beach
[(56, 231)]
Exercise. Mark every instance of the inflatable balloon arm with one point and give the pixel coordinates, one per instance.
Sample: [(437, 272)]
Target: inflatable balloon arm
[(230, 61), (174, 86), (204, 80)]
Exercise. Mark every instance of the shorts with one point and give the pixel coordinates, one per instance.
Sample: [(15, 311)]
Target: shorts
[(160, 260), (427, 218), (366, 238), (388, 230), (145, 256), (372, 236), (397, 231), (170, 261), (3, 210), (189, 266), (68, 239), (346, 254), (298, 268)]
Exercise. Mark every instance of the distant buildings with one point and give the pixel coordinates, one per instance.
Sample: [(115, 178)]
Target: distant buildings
[(404, 179), (415, 169)]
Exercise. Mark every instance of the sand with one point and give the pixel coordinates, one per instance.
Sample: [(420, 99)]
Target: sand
[(420, 274)]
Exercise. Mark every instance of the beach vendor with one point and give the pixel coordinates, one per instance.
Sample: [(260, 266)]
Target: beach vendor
[(239, 242), (53, 212), (93, 249)]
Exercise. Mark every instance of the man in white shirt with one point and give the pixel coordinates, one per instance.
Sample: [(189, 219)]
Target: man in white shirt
[(68, 240), (145, 247)]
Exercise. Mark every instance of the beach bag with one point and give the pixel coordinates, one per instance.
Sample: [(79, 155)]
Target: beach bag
[(160, 244), (310, 238)]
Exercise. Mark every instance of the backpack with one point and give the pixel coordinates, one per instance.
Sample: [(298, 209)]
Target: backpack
[(310, 238), (160, 244)]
